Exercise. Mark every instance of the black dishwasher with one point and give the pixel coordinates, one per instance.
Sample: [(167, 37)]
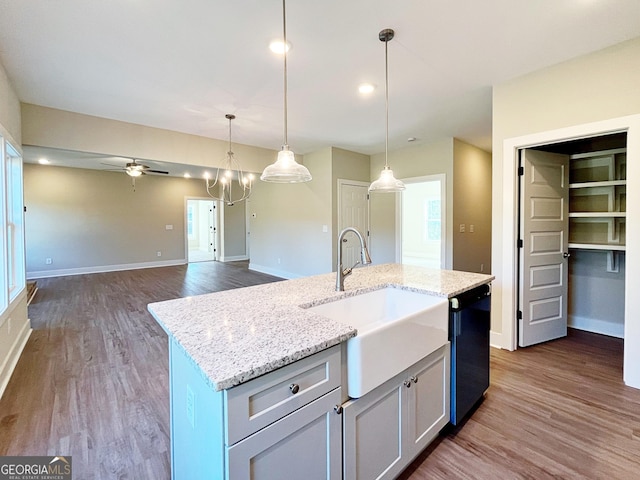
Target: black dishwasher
[(469, 325)]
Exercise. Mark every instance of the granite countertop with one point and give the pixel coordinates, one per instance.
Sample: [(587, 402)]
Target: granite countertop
[(236, 335)]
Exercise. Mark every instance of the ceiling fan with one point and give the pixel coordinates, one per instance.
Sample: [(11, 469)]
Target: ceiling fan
[(135, 169)]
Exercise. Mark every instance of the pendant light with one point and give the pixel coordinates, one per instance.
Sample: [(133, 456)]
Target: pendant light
[(285, 169), (230, 169), (387, 183)]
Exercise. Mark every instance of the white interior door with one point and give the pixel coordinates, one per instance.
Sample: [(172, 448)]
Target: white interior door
[(201, 225), (354, 212), (543, 256)]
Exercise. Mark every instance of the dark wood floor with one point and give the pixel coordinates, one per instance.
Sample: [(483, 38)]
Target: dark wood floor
[(93, 383)]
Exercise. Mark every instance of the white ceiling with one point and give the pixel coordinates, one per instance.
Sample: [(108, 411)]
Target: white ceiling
[(182, 65)]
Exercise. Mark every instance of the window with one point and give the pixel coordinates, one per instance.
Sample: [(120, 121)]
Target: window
[(12, 218), (4, 291), (14, 222), (433, 220)]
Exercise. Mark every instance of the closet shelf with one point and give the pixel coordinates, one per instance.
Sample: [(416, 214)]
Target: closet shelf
[(597, 214), (597, 246), (609, 183)]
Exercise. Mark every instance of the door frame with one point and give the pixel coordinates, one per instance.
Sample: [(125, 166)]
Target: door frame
[(505, 216), (217, 223), (442, 177)]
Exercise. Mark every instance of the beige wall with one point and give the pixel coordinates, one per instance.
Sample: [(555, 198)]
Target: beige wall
[(414, 161), (88, 219), (286, 223), (48, 127), (593, 88), (234, 230), (14, 323), (10, 119), (472, 206)]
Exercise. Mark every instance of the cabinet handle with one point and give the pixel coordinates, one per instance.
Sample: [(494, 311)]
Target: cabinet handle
[(294, 387), (566, 254), (407, 383), (414, 379), (338, 409)]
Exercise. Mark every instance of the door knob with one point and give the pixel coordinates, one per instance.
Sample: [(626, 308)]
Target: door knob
[(294, 387), (566, 254)]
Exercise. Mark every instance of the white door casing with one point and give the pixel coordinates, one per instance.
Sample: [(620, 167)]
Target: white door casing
[(543, 256), (353, 211)]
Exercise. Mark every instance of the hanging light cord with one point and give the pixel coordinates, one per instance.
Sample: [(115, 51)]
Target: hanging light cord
[(284, 35), (386, 101), (230, 152)]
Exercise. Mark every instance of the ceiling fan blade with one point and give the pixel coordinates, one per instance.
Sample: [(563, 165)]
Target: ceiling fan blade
[(119, 167), (157, 171)]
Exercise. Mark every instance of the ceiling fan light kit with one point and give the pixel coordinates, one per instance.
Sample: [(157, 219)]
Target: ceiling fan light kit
[(224, 181), (285, 169)]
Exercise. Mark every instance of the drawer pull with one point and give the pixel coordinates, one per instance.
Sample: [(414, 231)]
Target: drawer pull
[(407, 383), (414, 379), (338, 409), (294, 387)]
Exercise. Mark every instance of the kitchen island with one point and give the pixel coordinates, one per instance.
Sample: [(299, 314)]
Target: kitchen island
[(232, 354)]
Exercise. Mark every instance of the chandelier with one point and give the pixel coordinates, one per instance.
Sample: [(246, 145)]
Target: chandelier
[(231, 174)]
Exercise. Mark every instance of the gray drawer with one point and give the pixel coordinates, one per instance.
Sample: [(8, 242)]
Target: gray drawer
[(260, 402)]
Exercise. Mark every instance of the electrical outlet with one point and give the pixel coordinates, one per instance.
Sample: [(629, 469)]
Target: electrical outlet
[(48, 261), (462, 228), (471, 228), (278, 261), (481, 267), (191, 407), (159, 253), (168, 227)]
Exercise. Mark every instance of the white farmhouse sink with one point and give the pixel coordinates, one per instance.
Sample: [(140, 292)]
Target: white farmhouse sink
[(396, 328)]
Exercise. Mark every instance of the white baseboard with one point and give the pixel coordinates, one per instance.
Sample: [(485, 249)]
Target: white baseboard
[(273, 271), (102, 269), (595, 325), (495, 340), (236, 258), (9, 364)]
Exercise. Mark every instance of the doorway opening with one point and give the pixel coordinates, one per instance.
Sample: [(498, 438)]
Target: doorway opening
[(201, 230), (572, 240), (422, 222)]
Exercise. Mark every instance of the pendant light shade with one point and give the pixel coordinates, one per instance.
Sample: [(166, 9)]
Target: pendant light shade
[(285, 169), (387, 183)]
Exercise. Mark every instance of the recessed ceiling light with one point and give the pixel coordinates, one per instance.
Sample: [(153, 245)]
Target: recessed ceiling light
[(366, 88), (186, 175), (44, 161), (277, 46), (411, 139)]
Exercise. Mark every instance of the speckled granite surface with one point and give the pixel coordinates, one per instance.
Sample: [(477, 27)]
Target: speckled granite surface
[(240, 334)]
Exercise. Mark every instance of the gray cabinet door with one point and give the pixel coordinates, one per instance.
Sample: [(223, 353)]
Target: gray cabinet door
[(427, 400), (373, 434), (305, 444), (389, 426)]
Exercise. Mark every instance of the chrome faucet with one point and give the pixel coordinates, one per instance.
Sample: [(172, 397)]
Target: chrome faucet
[(365, 259)]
